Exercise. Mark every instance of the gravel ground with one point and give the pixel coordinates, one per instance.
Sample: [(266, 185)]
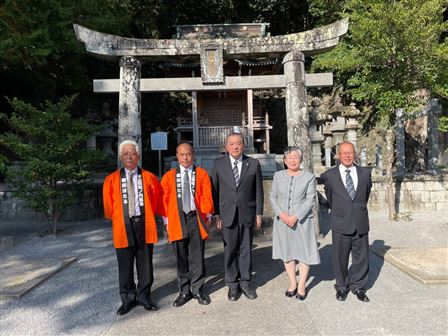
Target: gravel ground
[(82, 299)]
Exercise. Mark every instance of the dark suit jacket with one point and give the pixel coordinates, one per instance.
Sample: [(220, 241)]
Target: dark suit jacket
[(348, 215), (247, 197)]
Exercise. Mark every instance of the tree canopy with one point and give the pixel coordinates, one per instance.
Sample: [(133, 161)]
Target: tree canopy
[(393, 49)]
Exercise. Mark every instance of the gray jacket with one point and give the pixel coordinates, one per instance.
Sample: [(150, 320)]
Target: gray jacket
[(299, 201)]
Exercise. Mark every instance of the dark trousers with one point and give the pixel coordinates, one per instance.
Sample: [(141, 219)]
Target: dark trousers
[(141, 253), (237, 254), (189, 254), (358, 245)]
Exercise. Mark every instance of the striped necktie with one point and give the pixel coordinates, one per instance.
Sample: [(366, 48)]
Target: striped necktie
[(131, 195), (349, 184), (186, 199), (236, 175)]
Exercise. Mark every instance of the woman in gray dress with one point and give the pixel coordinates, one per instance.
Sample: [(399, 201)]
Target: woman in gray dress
[(294, 240)]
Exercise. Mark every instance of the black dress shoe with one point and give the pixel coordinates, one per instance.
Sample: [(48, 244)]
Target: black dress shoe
[(182, 299), (234, 294), (126, 308), (361, 296), (249, 292), (291, 293), (341, 295), (202, 298), (148, 305)]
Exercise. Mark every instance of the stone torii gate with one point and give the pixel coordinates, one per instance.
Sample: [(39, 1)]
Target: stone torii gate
[(291, 49)]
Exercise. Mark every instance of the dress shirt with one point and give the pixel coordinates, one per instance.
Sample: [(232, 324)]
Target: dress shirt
[(134, 180), (353, 174), (193, 206), (239, 164), (182, 175)]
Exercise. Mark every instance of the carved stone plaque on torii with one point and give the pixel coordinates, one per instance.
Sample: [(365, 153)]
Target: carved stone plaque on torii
[(213, 45)]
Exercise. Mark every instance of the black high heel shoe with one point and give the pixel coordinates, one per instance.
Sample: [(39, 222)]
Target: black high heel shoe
[(301, 297), (291, 293)]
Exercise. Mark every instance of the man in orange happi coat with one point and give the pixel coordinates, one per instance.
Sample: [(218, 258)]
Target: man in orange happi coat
[(131, 197), (188, 205)]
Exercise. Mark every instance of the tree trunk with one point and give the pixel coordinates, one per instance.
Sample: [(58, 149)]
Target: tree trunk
[(55, 225), (390, 145), (49, 223), (56, 215)]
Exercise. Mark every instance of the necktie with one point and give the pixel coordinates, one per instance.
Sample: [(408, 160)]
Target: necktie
[(236, 175), (131, 195), (186, 202), (349, 184)]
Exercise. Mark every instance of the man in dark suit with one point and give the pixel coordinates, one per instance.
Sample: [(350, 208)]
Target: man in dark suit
[(347, 187), (238, 198)]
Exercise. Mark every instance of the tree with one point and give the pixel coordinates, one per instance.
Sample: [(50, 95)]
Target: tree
[(55, 159), (393, 49)]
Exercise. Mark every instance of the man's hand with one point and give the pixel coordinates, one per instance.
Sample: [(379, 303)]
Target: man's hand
[(258, 222), (218, 222)]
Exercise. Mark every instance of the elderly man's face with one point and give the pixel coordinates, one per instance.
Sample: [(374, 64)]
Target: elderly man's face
[(129, 157), (235, 146), (346, 154), (185, 155)]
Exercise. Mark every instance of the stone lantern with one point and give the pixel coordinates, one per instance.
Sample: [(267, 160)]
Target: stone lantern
[(352, 114), (338, 121), (317, 119)]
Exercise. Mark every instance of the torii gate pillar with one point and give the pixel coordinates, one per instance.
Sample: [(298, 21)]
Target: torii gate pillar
[(129, 108), (297, 117)]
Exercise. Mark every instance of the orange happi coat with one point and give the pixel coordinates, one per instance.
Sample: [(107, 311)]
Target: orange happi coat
[(113, 206), (202, 199)]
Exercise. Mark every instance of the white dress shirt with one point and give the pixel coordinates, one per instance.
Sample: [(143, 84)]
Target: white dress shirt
[(182, 175), (134, 180), (239, 163), (353, 174)]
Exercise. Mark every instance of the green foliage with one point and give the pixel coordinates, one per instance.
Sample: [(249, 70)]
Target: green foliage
[(55, 159), (393, 49), (40, 57), (325, 11), (3, 162), (443, 123)]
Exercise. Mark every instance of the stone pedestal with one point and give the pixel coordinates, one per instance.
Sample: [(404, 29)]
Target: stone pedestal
[(400, 159), (363, 156), (352, 114), (129, 106), (338, 129), (328, 144), (317, 136), (378, 159), (434, 111)]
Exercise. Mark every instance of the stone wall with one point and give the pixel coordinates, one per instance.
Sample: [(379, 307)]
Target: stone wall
[(415, 193), (89, 207)]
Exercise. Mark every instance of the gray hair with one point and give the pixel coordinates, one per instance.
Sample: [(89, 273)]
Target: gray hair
[(128, 142), (290, 149), (235, 134)]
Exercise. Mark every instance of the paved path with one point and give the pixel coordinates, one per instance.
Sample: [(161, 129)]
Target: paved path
[(82, 299)]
